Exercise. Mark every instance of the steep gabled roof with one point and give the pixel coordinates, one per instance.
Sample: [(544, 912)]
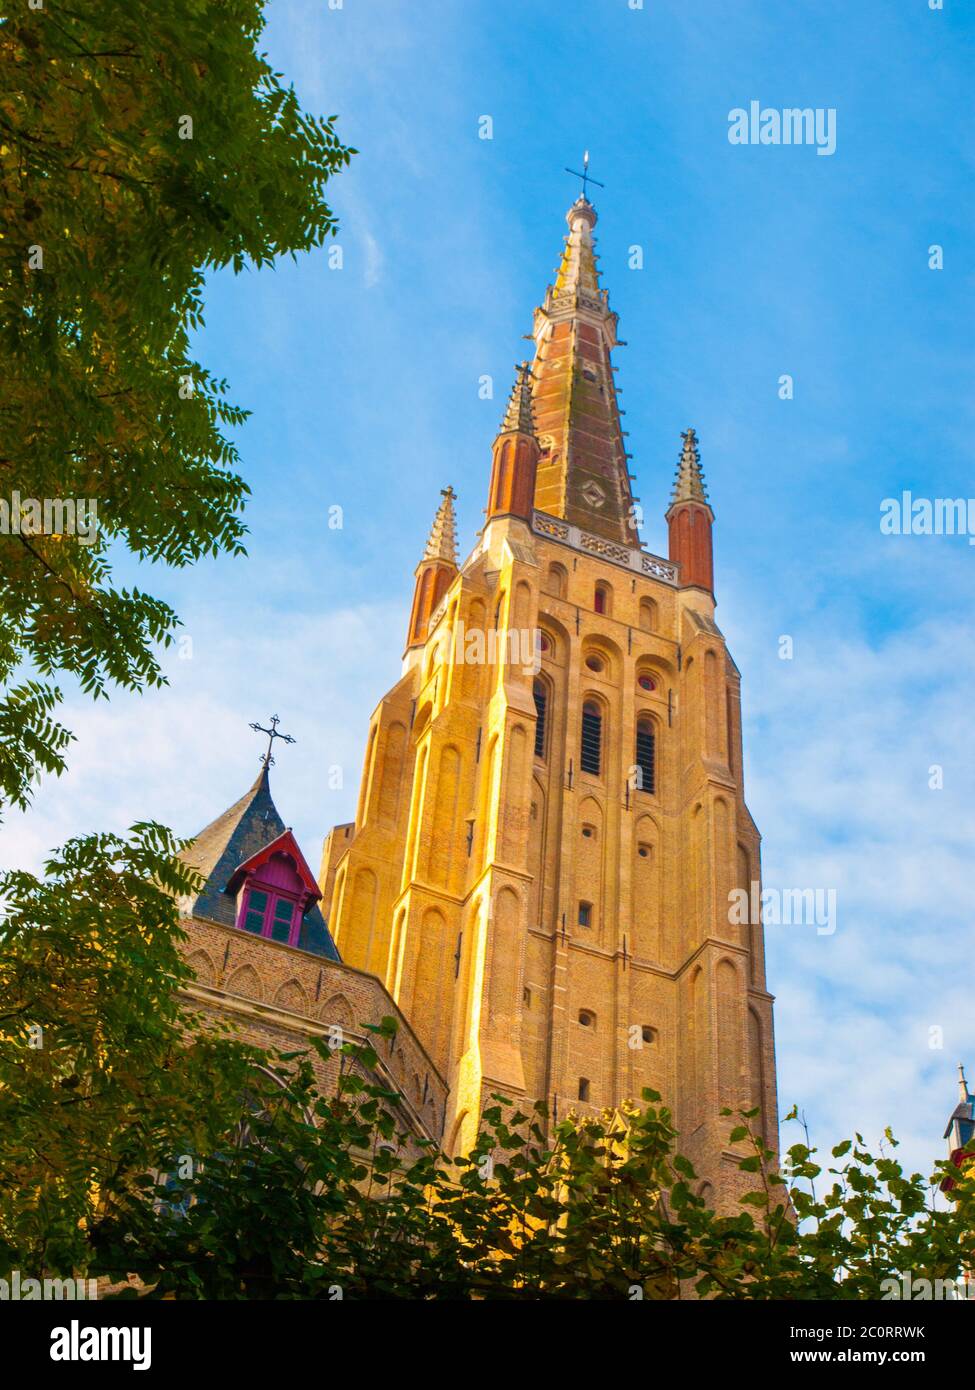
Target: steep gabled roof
[(246, 828)]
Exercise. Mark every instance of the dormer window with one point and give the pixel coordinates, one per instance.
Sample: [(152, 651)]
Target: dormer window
[(271, 914), (274, 889)]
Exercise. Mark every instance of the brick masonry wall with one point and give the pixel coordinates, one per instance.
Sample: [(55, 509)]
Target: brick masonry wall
[(278, 997)]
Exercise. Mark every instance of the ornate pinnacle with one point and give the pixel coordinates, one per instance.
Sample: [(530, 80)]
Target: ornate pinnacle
[(442, 543), (689, 482), (520, 413)]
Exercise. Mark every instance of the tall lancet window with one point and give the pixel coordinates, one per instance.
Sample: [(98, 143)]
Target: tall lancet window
[(646, 755), (541, 709), (590, 759)]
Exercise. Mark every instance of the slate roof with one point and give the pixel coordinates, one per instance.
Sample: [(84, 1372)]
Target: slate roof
[(244, 829), (965, 1115)]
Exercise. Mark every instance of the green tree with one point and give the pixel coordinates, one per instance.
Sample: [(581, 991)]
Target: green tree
[(325, 1196), (104, 1077), (141, 147)]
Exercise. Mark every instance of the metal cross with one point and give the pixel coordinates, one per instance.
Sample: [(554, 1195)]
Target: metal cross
[(272, 734), (585, 175)]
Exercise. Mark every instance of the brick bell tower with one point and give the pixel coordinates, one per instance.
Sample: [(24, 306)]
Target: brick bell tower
[(551, 816)]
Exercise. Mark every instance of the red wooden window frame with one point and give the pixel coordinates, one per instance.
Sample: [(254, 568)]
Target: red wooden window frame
[(270, 914)]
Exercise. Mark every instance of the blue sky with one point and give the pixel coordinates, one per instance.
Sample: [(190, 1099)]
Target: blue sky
[(758, 261)]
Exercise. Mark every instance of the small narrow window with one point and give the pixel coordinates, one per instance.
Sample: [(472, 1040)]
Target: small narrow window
[(541, 702), (585, 914), (526, 998), (583, 1088), (645, 752), (592, 738), (601, 599), (555, 582)]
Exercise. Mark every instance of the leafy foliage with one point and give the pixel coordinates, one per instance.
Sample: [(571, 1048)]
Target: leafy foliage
[(101, 1071), (141, 146), (330, 1196)]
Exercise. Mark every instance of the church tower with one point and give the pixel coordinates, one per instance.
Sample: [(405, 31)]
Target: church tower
[(551, 818)]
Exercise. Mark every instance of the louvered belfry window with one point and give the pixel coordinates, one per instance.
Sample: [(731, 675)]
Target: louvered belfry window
[(592, 739), (541, 707), (645, 755)]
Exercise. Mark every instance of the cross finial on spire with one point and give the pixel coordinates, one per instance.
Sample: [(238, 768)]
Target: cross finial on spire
[(272, 734), (962, 1083), (585, 175)]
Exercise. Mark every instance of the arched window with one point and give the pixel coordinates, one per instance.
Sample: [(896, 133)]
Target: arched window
[(603, 598), (541, 707), (646, 755), (556, 580), (590, 759), (648, 615)]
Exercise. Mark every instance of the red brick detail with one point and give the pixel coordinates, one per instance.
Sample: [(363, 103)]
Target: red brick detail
[(689, 524), (513, 469)]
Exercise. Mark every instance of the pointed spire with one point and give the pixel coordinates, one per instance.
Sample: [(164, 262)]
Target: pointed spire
[(577, 271), (962, 1084), (442, 542), (436, 571), (583, 473), (689, 482), (520, 414), (689, 520), (514, 462)]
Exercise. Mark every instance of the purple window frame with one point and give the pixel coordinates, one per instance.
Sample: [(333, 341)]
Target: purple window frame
[(274, 896)]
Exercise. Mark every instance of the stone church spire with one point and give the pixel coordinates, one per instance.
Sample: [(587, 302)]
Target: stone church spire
[(519, 418), (436, 569), (583, 472), (690, 518), (442, 541), (514, 462), (689, 481)]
